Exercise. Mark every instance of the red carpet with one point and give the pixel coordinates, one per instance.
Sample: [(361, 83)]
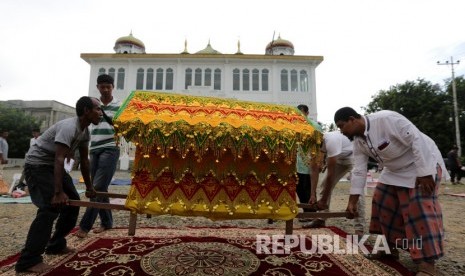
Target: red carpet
[(202, 251)]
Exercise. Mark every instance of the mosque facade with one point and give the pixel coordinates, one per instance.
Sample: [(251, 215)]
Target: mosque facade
[(278, 76)]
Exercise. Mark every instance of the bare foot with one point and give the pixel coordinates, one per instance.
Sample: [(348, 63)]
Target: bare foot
[(99, 230), (426, 269), (39, 268), (80, 233)]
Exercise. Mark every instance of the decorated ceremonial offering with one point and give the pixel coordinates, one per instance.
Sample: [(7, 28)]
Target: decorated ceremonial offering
[(214, 157)]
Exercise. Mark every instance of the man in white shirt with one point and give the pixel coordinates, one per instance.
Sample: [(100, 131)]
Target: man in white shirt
[(339, 161), (3, 157), (405, 202)]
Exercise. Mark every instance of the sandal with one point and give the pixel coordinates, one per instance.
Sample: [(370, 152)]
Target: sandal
[(64, 251)]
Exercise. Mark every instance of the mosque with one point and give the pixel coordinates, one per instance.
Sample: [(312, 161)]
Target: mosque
[(278, 76)]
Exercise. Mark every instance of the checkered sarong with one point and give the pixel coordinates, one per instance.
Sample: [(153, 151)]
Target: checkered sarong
[(409, 219)]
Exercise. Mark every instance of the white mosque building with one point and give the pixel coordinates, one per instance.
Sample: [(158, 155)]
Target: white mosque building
[(278, 76)]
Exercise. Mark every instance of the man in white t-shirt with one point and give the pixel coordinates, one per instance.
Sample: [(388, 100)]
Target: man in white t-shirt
[(339, 161)]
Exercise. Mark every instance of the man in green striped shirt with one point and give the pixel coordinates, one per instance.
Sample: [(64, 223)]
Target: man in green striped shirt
[(104, 155)]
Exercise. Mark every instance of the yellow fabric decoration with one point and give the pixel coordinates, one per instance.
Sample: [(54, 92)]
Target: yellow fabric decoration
[(219, 158)]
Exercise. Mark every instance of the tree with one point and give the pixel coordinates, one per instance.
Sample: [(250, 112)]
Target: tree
[(424, 104), (19, 126)]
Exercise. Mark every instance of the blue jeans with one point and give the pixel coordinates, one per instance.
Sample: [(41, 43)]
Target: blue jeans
[(40, 181), (102, 168)]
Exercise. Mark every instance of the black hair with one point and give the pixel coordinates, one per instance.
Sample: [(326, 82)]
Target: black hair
[(303, 108), (35, 130), (343, 114), (83, 103), (105, 79)]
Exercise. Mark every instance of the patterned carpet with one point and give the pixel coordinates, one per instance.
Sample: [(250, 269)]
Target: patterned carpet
[(203, 251)]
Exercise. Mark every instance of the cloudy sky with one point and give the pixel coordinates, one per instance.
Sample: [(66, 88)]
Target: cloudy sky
[(367, 45)]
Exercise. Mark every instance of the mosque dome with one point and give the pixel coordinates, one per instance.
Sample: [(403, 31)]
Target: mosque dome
[(280, 47), (129, 45), (208, 50)]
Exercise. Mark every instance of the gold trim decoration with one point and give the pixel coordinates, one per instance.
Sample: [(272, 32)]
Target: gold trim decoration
[(219, 158)]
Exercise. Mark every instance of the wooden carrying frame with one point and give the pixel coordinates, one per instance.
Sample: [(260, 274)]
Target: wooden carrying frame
[(133, 215)]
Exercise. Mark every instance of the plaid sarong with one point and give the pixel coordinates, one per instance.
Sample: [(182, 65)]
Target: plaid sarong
[(409, 220)]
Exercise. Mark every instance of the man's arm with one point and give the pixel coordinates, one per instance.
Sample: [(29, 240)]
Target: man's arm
[(61, 152), (357, 180), (331, 169), (316, 165), (84, 153), (314, 178)]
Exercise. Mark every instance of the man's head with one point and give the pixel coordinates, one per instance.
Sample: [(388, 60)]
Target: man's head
[(105, 85), (4, 133), (303, 108), (88, 109), (349, 122)]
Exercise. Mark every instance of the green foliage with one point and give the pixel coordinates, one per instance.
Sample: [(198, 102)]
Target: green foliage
[(19, 127), (425, 105)]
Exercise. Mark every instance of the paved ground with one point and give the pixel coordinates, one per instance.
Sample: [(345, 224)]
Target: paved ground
[(16, 218)]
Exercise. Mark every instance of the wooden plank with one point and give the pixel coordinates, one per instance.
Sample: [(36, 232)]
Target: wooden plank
[(133, 215), (289, 227), (132, 224), (98, 205), (323, 215), (111, 195)]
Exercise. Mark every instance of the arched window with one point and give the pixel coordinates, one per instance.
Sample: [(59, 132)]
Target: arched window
[(294, 81), (246, 80), (198, 77), (284, 80), (169, 79), (188, 76), (207, 77), (101, 71), (159, 81), (236, 79), (303, 81), (140, 79), (265, 73), (112, 72), (217, 79), (120, 81), (149, 81), (255, 80)]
